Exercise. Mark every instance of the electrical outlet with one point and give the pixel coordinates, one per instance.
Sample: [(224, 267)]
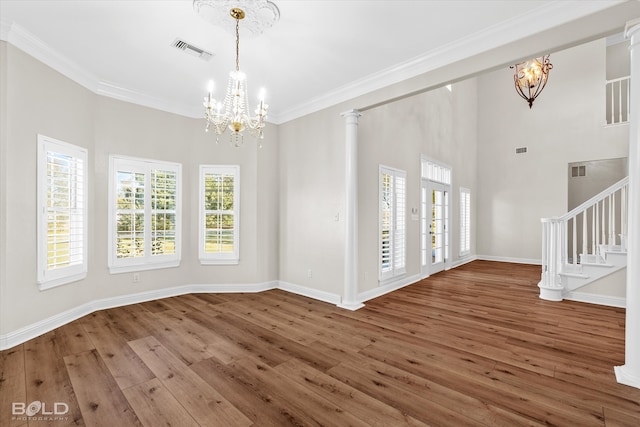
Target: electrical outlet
[(309, 273), (136, 277)]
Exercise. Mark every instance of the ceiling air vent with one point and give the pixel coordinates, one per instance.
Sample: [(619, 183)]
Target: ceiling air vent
[(521, 150), (192, 50)]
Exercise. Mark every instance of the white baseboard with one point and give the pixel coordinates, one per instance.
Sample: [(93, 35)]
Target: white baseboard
[(596, 299), (309, 292), (462, 261), (389, 287), (509, 259), (43, 326)]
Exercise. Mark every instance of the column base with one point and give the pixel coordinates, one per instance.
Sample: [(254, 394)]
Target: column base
[(550, 294), (623, 376), (351, 306)]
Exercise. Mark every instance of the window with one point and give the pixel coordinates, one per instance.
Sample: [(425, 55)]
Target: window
[(219, 218), (62, 212), (465, 221), (392, 233), (435, 172), (144, 214)]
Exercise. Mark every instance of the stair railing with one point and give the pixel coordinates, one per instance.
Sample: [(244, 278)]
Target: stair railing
[(581, 235), (618, 100)]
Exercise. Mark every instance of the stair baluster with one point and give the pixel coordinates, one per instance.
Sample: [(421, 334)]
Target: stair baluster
[(559, 261)]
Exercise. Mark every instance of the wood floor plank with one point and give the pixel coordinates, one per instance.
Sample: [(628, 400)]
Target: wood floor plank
[(363, 406), (125, 366), (261, 343), (101, 400), (155, 406), (72, 338), (47, 379), (12, 386), (312, 407), (256, 402), (203, 402), (444, 351)]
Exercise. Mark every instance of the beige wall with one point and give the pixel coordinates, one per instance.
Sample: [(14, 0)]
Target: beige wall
[(565, 125), (440, 125), (311, 198), (40, 100)]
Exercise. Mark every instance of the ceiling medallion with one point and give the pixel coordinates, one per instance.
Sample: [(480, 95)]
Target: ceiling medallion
[(260, 15)]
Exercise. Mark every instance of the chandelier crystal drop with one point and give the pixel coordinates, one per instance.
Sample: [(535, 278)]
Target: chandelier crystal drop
[(531, 77), (233, 113)]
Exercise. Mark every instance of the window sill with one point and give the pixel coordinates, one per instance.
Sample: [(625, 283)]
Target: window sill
[(219, 261), (54, 283), (143, 267)]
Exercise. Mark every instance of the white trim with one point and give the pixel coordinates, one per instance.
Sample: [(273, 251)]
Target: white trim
[(596, 299), (49, 278), (43, 326), (462, 261), (389, 287), (626, 376), (310, 292), (540, 19), (509, 259), (212, 258), (148, 261)]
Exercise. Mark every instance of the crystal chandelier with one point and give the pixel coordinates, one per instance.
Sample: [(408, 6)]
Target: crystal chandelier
[(233, 113), (531, 77)]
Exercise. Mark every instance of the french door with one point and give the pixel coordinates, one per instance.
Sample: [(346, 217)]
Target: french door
[(434, 226)]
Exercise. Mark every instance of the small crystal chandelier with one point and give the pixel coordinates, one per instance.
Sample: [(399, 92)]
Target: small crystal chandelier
[(233, 112), (531, 77)]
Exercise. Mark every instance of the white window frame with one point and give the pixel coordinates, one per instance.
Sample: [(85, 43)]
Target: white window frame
[(148, 261), (465, 221), (434, 171), (77, 269), (398, 217), (219, 258)]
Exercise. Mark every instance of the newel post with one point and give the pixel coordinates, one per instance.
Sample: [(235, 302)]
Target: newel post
[(629, 373), (550, 283), (350, 292)]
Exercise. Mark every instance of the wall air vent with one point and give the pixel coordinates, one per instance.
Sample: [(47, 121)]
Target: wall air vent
[(577, 171), (521, 150), (192, 50)]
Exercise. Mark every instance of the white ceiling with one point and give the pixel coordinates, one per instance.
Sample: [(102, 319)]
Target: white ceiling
[(318, 54)]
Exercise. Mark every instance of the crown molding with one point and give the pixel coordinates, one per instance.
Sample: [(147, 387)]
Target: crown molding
[(543, 18), (112, 90), (30, 44), (22, 39)]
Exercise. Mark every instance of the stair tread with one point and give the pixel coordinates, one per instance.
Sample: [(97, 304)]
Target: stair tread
[(594, 264), (578, 275)]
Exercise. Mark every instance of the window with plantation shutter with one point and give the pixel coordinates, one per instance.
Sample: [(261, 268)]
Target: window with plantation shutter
[(219, 214), (144, 214), (392, 223), (465, 221), (62, 212)]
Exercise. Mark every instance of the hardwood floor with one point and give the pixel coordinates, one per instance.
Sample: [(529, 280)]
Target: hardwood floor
[(470, 346)]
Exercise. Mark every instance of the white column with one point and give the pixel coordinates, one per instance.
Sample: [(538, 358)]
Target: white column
[(350, 293), (629, 373)]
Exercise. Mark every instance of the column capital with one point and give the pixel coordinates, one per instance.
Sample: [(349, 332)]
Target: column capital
[(351, 113), (631, 28)]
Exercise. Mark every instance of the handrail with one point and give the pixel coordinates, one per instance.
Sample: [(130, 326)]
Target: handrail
[(618, 79), (579, 235), (595, 199)]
